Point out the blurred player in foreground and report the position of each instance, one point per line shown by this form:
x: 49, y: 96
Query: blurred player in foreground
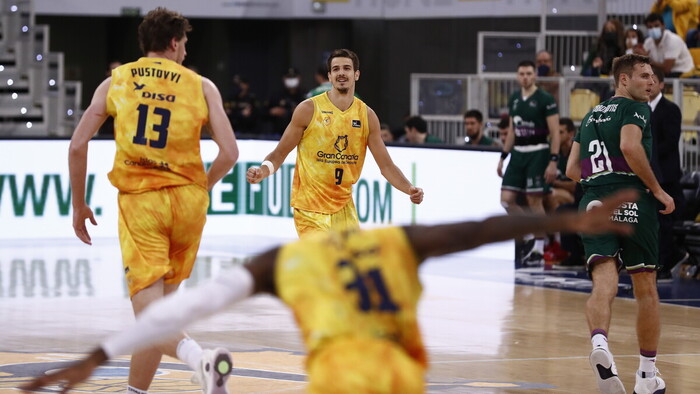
x: 354, y: 295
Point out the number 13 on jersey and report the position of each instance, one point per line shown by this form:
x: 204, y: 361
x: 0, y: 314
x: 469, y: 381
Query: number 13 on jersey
x: 160, y: 128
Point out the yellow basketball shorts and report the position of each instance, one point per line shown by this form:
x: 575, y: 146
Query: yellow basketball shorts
x: 307, y: 222
x: 159, y: 234
x: 364, y: 365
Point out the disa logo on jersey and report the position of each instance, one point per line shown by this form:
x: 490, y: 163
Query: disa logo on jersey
x: 159, y: 96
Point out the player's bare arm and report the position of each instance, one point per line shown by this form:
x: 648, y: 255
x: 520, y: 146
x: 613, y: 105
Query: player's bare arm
x: 566, y: 184
x: 301, y: 118
x: 507, y: 147
x: 221, y: 133
x: 88, y: 126
x: 69, y: 377
x: 550, y: 174
x: 389, y: 170
x: 256, y: 276
x: 573, y: 165
x: 633, y: 151
x: 442, y: 239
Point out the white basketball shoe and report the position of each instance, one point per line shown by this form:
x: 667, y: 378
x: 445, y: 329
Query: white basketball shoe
x: 649, y: 385
x: 606, y: 372
x: 214, y: 370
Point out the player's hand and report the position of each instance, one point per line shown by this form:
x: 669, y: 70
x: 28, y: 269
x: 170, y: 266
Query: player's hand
x: 550, y: 174
x: 597, y: 220
x: 67, y: 378
x: 416, y: 194
x: 666, y: 200
x: 499, y: 169
x: 80, y: 214
x: 254, y: 175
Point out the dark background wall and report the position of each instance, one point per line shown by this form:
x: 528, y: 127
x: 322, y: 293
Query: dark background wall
x: 262, y: 50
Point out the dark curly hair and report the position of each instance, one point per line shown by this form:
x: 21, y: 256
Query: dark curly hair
x: 160, y: 26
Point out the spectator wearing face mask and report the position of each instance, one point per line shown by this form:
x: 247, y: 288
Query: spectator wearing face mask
x: 545, y: 68
x: 611, y: 44
x: 679, y: 16
x: 242, y: 107
x: 281, y: 106
x: 634, y: 41
x: 666, y: 49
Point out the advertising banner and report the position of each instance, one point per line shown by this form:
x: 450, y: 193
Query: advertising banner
x: 35, y: 193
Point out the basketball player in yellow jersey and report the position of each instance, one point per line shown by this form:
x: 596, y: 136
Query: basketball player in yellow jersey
x: 354, y: 295
x: 159, y: 108
x: 331, y: 132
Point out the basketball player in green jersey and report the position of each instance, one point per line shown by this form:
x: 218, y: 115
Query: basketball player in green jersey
x: 611, y: 152
x: 533, y: 165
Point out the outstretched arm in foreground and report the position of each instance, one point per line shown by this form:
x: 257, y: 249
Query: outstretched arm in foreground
x: 169, y: 316
x: 442, y: 239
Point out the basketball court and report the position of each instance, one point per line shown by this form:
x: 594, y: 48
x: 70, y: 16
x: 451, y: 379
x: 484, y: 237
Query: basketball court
x: 485, y: 332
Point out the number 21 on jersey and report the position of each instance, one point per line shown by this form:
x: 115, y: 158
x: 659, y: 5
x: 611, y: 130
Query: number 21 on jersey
x: 600, y: 159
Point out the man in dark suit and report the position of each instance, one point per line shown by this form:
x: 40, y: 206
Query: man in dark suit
x: 666, y: 163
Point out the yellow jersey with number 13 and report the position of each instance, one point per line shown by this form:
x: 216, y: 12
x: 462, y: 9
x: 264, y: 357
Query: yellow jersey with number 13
x: 159, y: 110
x: 330, y: 156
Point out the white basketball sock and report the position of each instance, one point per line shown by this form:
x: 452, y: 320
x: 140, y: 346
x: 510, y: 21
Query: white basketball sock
x: 189, y: 351
x: 134, y: 390
x: 600, y: 340
x: 647, y: 365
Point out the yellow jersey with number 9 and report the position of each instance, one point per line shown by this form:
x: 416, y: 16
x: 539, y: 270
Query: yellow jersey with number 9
x: 330, y: 156
x: 353, y: 284
x: 159, y: 110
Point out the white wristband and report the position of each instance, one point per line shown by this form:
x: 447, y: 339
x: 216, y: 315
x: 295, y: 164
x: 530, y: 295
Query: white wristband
x: 269, y: 165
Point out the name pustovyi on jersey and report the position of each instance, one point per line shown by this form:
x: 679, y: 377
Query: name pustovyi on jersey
x: 155, y: 73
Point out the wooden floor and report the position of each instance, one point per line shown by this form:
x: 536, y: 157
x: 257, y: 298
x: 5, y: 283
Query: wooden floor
x: 484, y: 333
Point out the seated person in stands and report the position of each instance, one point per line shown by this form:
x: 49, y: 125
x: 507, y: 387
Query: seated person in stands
x: 474, y: 129
x: 679, y: 15
x: 562, y: 196
x: 503, y: 126
x: 385, y: 133
x: 242, y: 107
x: 417, y: 132
x: 545, y: 68
x: 563, y: 188
x: 666, y: 49
x: 634, y: 41
x: 611, y: 44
